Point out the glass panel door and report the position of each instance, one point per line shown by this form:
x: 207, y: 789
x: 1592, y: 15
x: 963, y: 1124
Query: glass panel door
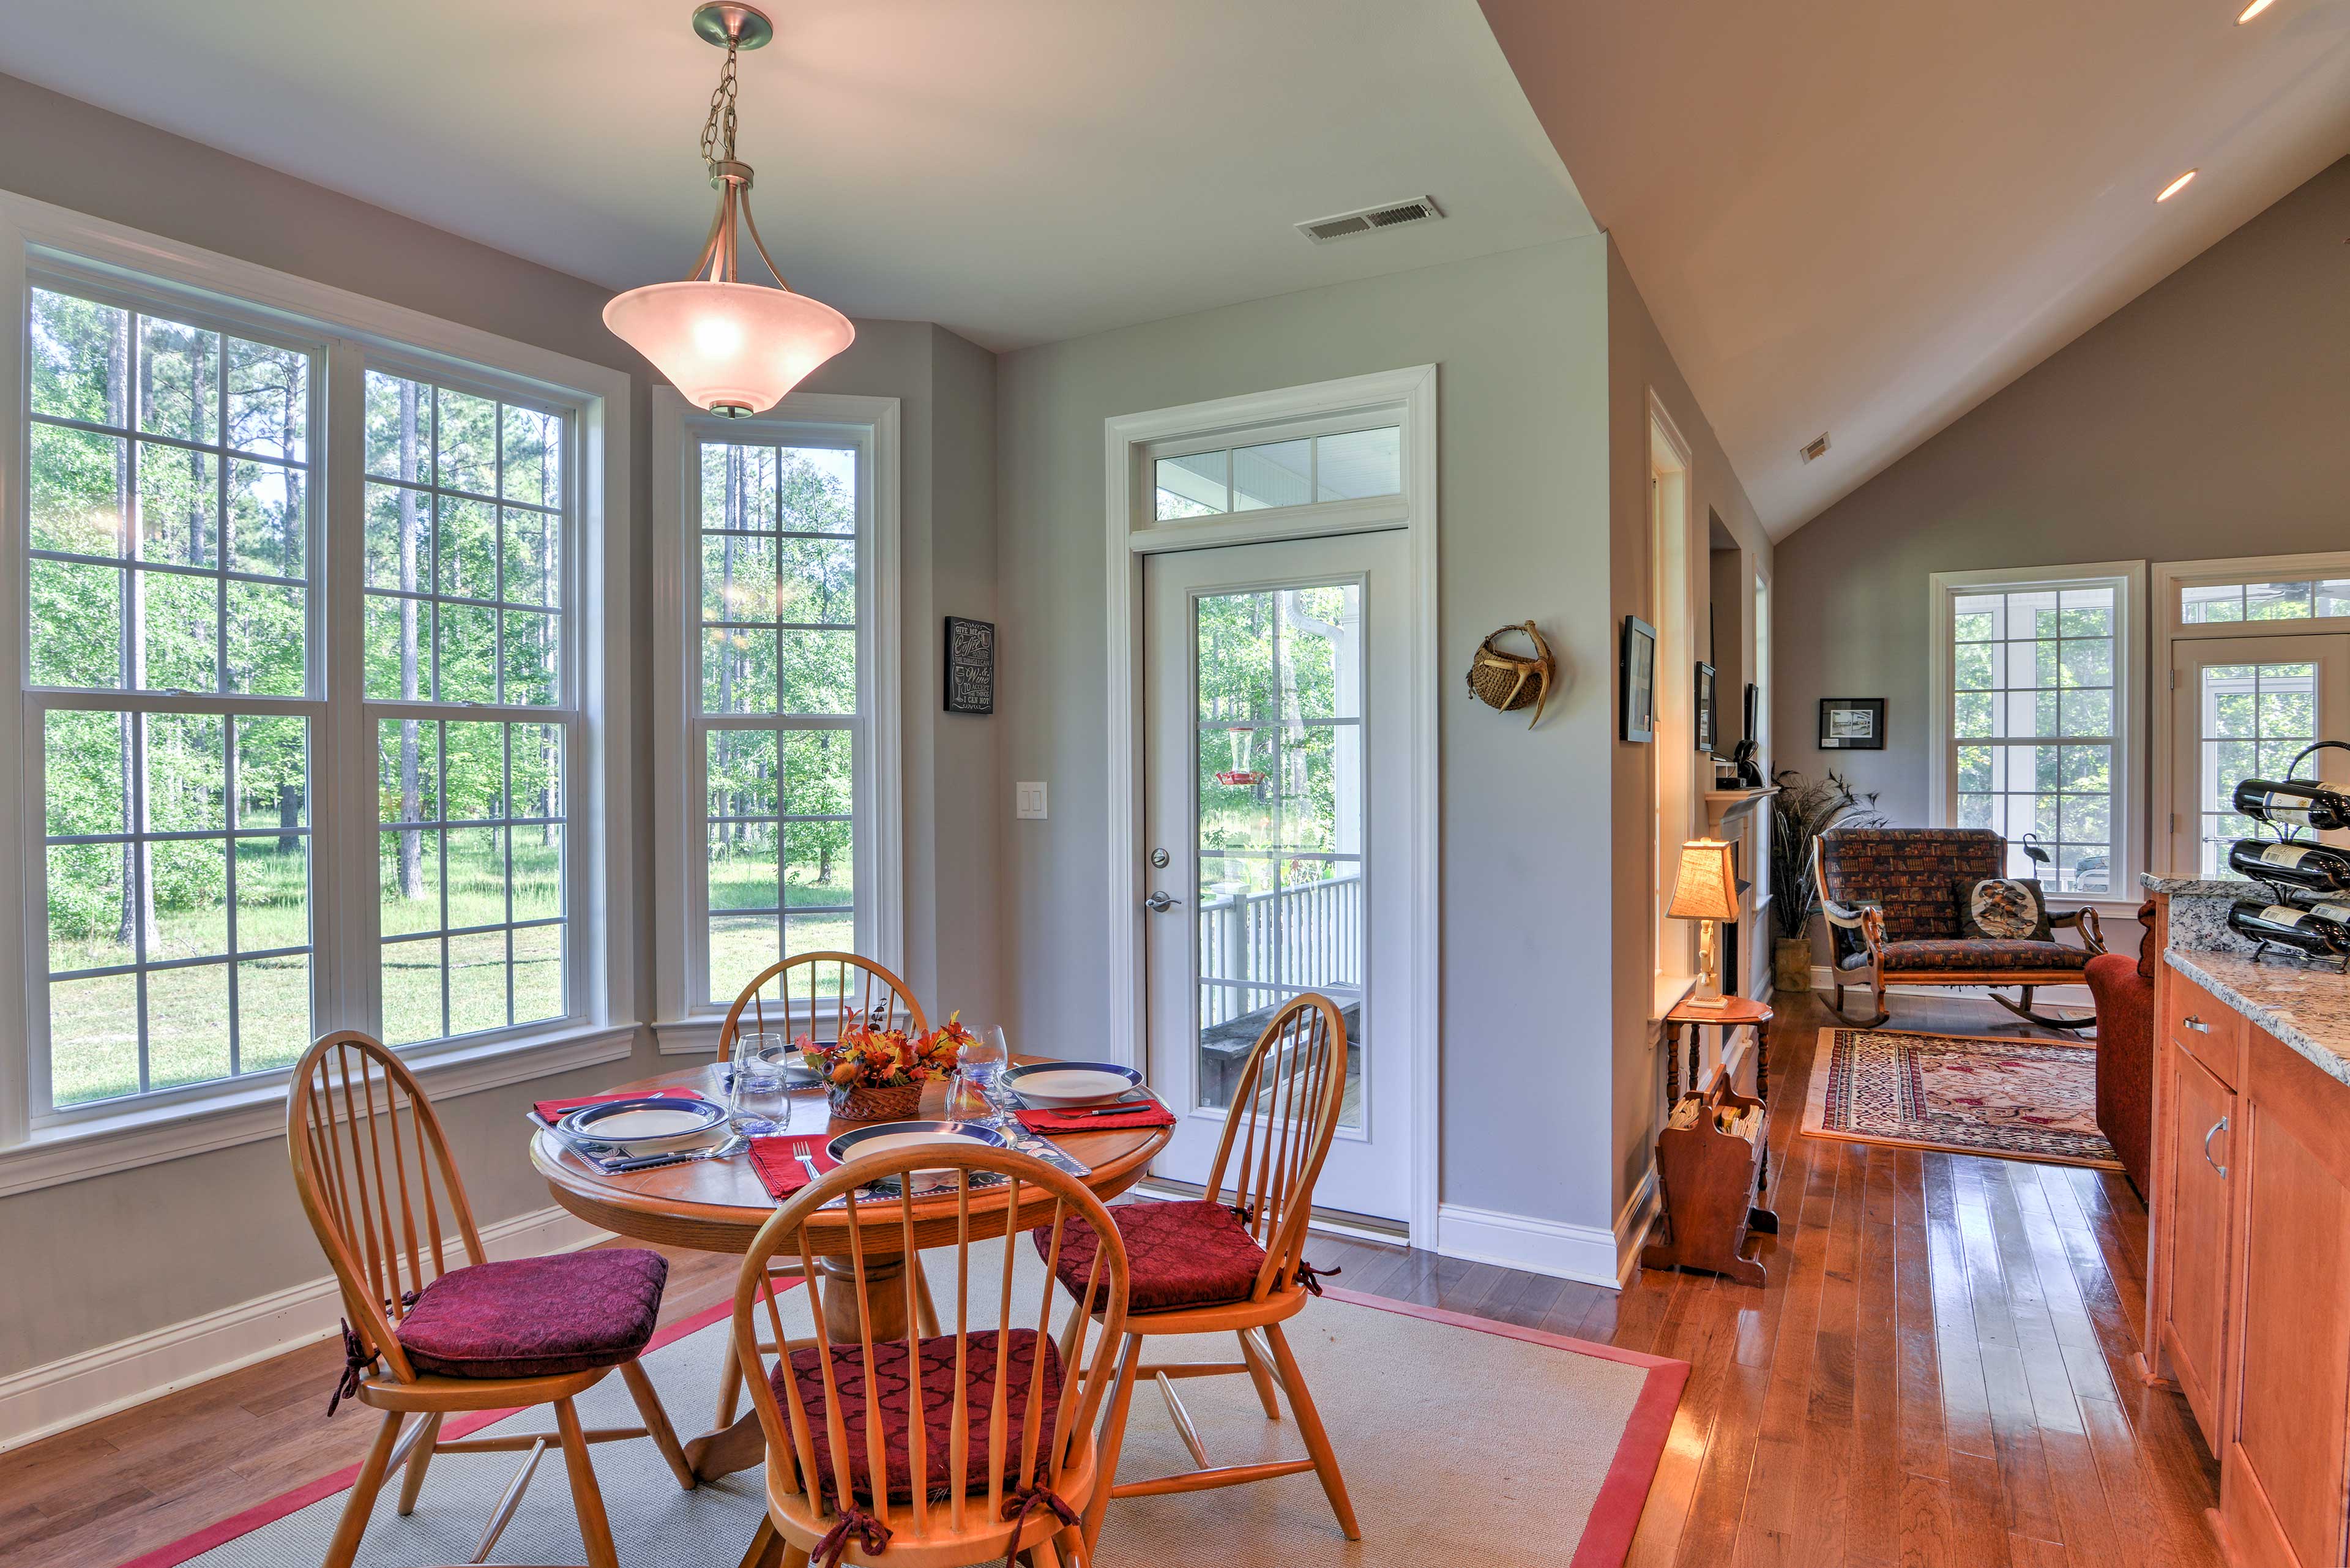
x: 2243, y: 707
x: 1279, y: 807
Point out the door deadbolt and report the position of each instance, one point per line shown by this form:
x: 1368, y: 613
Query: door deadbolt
x: 1160, y: 858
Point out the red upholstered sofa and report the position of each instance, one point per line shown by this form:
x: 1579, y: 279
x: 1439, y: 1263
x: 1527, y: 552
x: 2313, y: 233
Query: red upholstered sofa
x: 2124, y: 989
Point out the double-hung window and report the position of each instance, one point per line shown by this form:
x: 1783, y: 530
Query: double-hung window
x: 2036, y: 719
x: 310, y: 711
x: 780, y: 829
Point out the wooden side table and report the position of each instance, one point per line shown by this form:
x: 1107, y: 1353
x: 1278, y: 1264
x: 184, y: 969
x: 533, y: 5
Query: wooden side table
x: 1735, y: 1012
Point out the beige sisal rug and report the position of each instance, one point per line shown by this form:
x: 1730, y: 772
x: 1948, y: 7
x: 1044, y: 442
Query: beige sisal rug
x: 1463, y: 1440
x: 1997, y: 1095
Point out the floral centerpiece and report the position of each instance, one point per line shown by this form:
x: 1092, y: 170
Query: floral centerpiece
x: 876, y: 1074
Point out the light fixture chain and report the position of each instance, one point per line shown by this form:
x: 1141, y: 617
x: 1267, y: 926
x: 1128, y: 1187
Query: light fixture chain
x: 718, y: 130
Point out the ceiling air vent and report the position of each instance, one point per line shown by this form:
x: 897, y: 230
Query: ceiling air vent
x: 1367, y: 219
x: 1817, y: 449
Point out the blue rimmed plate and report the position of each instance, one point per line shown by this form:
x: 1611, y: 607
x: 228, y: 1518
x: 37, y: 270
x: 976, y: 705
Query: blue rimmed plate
x: 654, y: 1125
x: 1055, y: 1085
x: 891, y: 1136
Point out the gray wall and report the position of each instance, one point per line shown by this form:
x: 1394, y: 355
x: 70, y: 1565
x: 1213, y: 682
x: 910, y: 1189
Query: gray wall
x: 223, y: 1227
x: 1533, y: 384
x: 2208, y: 417
x: 1640, y: 365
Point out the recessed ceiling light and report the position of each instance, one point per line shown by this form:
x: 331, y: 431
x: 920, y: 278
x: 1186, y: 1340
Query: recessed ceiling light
x: 2175, y: 186
x: 2253, y: 10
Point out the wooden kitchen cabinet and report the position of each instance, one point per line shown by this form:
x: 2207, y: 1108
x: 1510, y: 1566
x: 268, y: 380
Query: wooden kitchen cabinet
x: 2192, y: 1327
x: 2284, y: 1438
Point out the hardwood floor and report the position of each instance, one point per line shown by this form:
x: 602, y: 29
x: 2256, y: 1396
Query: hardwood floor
x: 1936, y: 1373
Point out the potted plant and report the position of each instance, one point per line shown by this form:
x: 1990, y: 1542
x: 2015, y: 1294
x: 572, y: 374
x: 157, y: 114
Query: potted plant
x: 1803, y: 810
x: 876, y: 1074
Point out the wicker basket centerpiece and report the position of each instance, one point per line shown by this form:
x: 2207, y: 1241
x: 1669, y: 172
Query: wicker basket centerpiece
x: 878, y: 1074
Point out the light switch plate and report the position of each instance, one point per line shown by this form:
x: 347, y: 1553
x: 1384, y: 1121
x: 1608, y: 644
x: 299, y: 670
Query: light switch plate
x: 1028, y: 800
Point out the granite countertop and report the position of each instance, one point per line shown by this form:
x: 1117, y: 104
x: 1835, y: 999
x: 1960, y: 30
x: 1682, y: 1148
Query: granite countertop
x: 2190, y: 888
x: 2307, y: 1008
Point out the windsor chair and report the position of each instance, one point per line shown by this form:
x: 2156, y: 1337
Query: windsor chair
x: 832, y: 990
x: 432, y: 1327
x: 939, y: 1449
x: 1232, y: 1263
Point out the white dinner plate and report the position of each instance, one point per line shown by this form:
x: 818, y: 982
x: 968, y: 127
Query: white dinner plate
x: 1053, y: 1084
x: 649, y: 1125
x: 889, y: 1136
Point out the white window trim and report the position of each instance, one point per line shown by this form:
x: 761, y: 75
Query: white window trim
x: 119, y: 1135
x: 1132, y: 532
x: 684, y: 1024
x: 2168, y: 578
x: 2129, y: 813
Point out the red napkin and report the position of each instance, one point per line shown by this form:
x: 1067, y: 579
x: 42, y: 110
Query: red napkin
x: 1148, y: 1114
x: 551, y: 1111
x: 776, y: 1160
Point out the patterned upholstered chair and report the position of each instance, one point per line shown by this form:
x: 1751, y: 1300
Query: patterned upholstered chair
x: 1892, y: 906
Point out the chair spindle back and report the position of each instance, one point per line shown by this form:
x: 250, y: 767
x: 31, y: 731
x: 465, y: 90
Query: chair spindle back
x: 1284, y: 1117
x: 810, y: 1452
x: 367, y: 1150
x: 833, y: 989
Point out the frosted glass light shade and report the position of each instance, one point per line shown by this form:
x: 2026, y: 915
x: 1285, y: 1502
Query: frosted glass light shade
x: 731, y: 347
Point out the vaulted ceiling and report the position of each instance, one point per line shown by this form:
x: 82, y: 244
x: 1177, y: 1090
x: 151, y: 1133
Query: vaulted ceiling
x: 1862, y: 218
x: 1021, y: 171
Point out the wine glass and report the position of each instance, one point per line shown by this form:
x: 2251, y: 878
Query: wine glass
x: 760, y: 1104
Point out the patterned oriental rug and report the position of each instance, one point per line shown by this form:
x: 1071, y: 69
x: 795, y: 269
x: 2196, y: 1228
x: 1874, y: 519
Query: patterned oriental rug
x: 2011, y: 1098
x: 1560, y: 1436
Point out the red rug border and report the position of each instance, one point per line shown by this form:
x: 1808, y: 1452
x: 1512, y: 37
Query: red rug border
x: 1615, y: 1515
x: 1607, y: 1532
x: 302, y: 1497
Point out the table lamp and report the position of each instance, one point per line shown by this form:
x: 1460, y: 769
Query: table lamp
x: 1706, y: 891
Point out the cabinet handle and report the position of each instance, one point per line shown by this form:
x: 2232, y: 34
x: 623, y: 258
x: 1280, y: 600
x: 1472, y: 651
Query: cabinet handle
x: 2217, y: 1128
x: 2197, y: 1024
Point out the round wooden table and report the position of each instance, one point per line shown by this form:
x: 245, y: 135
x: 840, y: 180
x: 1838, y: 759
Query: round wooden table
x: 717, y: 1206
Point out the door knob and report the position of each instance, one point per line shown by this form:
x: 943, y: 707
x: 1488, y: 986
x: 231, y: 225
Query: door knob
x: 1160, y: 903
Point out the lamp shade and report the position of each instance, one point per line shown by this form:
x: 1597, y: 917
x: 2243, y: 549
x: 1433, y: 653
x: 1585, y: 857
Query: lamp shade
x: 1707, y: 887
x: 733, y: 348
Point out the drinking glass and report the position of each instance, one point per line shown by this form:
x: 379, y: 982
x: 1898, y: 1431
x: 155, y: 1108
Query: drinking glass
x: 760, y: 1105
x: 983, y: 1060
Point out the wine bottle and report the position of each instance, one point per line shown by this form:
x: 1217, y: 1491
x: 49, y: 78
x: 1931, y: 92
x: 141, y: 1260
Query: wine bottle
x: 2320, y: 867
x: 2294, y: 803
x: 2323, y: 930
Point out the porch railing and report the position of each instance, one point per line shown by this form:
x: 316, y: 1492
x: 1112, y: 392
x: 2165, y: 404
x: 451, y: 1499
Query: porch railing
x: 1257, y: 949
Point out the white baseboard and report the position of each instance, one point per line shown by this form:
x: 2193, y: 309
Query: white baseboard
x: 1823, y: 981
x: 1585, y: 1252
x: 46, y: 1399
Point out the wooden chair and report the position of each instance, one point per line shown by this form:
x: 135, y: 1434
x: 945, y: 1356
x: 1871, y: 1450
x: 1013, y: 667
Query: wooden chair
x: 983, y: 1443
x: 861, y: 991
x: 1233, y: 1262
x: 366, y: 1151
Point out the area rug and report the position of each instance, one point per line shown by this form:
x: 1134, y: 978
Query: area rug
x: 1443, y: 1423
x: 1969, y: 1093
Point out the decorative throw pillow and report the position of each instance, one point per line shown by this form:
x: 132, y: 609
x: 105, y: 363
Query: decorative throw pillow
x: 2005, y: 908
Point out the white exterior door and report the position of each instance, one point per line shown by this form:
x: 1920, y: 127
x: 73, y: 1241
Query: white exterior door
x: 2242, y: 708
x: 1277, y: 691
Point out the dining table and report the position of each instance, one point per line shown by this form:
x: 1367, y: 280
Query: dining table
x: 718, y: 1205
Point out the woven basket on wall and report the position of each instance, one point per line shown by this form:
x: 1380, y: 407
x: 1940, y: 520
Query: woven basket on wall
x: 1508, y: 681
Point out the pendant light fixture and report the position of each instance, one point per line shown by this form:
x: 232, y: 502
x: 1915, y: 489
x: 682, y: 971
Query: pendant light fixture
x: 732, y: 347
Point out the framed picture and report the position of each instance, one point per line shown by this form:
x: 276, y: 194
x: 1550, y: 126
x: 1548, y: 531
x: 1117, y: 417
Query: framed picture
x: 1705, y: 721
x: 970, y: 666
x: 1852, y: 723
x: 1638, y: 680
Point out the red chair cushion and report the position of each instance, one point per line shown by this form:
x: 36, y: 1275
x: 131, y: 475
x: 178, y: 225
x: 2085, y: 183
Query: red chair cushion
x: 536, y: 1317
x: 1178, y: 1255
x: 896, y: 1408
x: 1991, y: 957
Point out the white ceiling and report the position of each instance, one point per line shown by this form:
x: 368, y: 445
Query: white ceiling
x: 1865, y: 218
x: 1020, y: 170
